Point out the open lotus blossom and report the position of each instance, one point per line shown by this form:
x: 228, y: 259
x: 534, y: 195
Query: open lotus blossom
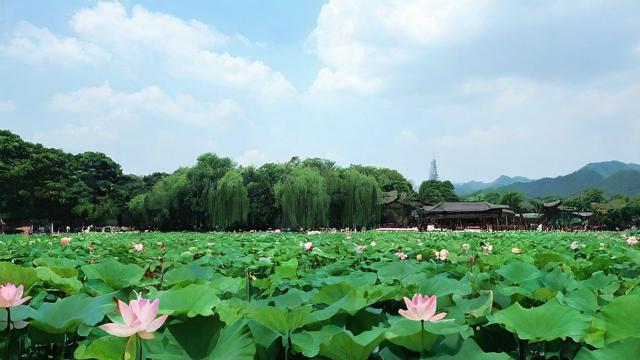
x: 401, y: 255
x: 574, y: 245
x: 632, y: 240
x: 487, y: 248
x: 516, y: 250
x: 360, y: 249
x: 11, y: 296
x: 373, y: 244
x: 65, y: 241
x: 442, y: 254
x: 138, y: 247
x: 421, y: 308
x: 308, y: 246
x: 139, y: 318
x: 465, y: 246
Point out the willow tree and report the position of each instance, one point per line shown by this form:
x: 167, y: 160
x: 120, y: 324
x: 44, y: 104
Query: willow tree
x: 303, y: 198
x: 362, y: 199
x: 229, y: 203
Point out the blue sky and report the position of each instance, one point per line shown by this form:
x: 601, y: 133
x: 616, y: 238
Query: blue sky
x: 491, y: 87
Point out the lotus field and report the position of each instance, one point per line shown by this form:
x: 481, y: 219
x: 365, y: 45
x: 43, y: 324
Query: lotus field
x: 368, y: 295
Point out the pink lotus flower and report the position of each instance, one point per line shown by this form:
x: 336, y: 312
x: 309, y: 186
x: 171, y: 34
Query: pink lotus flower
x: 632, y: 241
x: 360, y: 249
x: 139, y: 318
x: 487, y: 248
x: 421, y: 309
x: 278, y: 231
x: 65, y: 241
x: 516, y: 250
x: 442, y: 254
x: 401, y: 255
x: 575, y: 245
x: 11, y: 296
x: 138, y: 247
x: 308, y: 246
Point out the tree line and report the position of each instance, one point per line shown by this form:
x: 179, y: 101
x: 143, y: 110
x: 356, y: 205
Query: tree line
x: 44, y: 185
x: 48, y: 185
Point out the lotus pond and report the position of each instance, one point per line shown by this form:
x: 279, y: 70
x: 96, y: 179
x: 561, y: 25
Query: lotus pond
x: 510, y: 295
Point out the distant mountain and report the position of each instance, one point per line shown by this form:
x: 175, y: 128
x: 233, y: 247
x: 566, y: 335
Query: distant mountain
x: 608, y: 168
x: 473, y: 186
x: 612, y: 177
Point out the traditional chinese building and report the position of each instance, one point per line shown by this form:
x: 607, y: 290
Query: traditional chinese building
x: 465, y: 215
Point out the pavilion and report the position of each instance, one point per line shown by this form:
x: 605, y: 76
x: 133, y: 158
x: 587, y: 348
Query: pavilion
x: 466, y: 215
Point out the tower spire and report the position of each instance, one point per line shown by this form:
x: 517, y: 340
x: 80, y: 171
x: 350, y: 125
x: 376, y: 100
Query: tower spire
x: 433, y: 174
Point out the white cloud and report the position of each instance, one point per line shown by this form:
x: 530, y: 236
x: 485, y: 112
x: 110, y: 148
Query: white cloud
x: 187, y: 48
x: 252, y: 157
x: 359, y: 42
x: 236, y: 72
x: 109, y: 24
x: 39, y: 45
x: 7, y: 105
x: 102, y: 104
x: 183, y: 48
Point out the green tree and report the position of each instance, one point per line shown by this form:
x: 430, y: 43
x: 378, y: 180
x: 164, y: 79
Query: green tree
x: 202, y: 182
x: 229, y: 205
x: 303, y: 198
x: 514, y: 199
x: 264, y: 211
x: 435, y: 191
x: 362, y: 197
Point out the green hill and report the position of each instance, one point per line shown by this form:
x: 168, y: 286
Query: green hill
x: 613, y: 177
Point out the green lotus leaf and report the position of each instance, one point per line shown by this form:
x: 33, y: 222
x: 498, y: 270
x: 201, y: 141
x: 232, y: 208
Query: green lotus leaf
x: 582, y: 299
x: 343, y: 345
x: 191, y: 273
x: 397, y: 270
x: 558, y: 280
x: 17, y: 275
x: 281, y: 320
x: 195, y: 299
x: 407, y: 333
x: 288, y: 269
x: 471, y: 351
x: 113, y: 274
x: 601, y: 283
x: 203, y: 338
x: 69, y: 313
x: 544, y: 323
x: 69, y: 285
x: 476, y: 307
x: 624, y: 349
x: 520, y: 273
x: 104, y: 348
x: 622, y: 318
x: 308, y: 342
x: 440, y: 285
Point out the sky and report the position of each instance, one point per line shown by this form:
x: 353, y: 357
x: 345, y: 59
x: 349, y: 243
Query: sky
x: 488, y: 87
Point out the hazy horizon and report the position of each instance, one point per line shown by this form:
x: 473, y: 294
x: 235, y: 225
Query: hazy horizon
x: 489, y: 87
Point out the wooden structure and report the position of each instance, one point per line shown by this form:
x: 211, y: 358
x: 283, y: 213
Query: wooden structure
x: 399, y: 210
x: 557, y: 216
x: 465, y: 215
